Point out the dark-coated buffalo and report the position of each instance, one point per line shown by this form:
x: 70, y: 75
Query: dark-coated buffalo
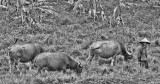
x: 56, y: 62
x: 24, y: 53
x: 107, y: 49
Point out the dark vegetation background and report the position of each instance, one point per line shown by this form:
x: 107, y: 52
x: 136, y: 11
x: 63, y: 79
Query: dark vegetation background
x: 56, y: 29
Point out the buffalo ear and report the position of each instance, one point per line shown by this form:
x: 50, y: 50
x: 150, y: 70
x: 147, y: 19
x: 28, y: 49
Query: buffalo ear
x: 9, y: 48
x: 80, y: 65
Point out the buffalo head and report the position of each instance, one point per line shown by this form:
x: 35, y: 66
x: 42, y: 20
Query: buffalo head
x: 129, y: 56
x: 15, y: 54
x: 130, y: 49
x: 78, y: 68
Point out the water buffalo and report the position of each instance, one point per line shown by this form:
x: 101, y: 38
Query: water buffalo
x: 107, y: 49
x: 56, y: 62
x: 23, y: 53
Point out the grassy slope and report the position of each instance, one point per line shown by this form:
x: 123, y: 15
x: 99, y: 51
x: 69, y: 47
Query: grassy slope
x: 71, y: 36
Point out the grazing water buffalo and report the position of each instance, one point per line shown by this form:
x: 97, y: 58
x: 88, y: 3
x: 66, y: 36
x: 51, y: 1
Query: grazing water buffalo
x: 107, y: 49
x: 56, y: 62
x: 23, y: 53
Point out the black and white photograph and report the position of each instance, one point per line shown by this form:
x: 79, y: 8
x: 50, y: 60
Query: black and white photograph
x: 79, y: 41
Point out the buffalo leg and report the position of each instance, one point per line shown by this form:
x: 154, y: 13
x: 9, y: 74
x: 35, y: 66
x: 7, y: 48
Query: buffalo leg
x: 96, y: 59
x: 39, y: 70
x: 64, y: 69
x: 45, y: 70
x: 30, y: 65
x: 18, y: 64
x: 90, y: 56
x: 113, y: 61
x: 13, y: 65
x: 10, y: 66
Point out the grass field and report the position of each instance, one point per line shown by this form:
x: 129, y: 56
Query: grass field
x: 68, y: 32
